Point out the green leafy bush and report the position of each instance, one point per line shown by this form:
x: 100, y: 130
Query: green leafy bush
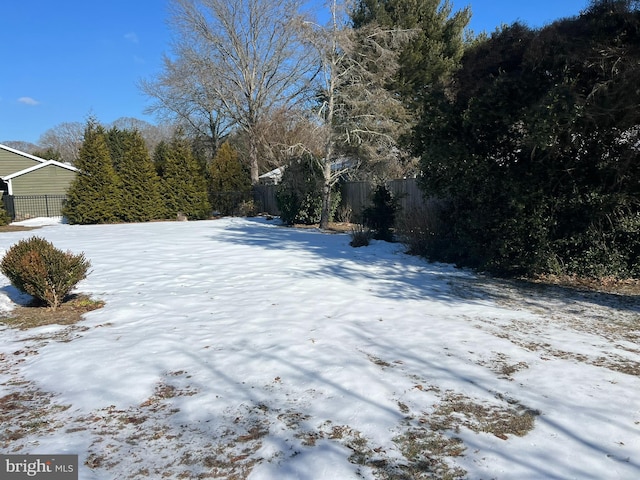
x: 381, y: 216
x: 36, y: 267
x: 299, y: 194
x: 535, y: 149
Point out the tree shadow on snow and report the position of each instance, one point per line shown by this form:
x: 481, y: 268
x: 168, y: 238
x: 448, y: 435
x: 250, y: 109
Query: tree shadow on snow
x: 388, y: 272
x: 402, y: 276
x: 433, y: 371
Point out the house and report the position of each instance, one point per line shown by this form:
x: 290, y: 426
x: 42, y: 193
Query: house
x: 32, y: 186
x: 272, y: 177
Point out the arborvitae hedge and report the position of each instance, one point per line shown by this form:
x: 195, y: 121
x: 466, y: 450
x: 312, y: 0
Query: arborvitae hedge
x: 184, y: 186
x: 140, y: 185
x: 229, y: 181
x: 94, y: 196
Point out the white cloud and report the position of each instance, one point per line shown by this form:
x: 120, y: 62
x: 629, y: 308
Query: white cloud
x: 28, y: 101
x: 131, y: 37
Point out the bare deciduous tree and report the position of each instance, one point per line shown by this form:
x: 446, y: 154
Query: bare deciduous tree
x: 151, y: 134
x: 285, y: 135
x: 65, y: 138
x: 358, y: 116
x: 26, y: 147
x: 181, y: 94
x: 248, y: 58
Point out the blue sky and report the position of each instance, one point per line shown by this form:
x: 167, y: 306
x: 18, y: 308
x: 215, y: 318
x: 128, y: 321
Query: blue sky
x: 64, y: 60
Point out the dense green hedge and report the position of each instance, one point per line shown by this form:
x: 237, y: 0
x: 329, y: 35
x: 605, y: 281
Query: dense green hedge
x: 535, y: 150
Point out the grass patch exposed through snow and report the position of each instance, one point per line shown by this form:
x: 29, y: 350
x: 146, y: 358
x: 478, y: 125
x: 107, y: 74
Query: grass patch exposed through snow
x: 35, y: 315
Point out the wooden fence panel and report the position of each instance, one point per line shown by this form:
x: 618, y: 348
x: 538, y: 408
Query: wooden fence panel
x: 407, y: 192
x: 355, y: 195
x: 265, y: 198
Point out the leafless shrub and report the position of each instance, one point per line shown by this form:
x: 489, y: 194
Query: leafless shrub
x: 418, y: 227
x: 360, y: 236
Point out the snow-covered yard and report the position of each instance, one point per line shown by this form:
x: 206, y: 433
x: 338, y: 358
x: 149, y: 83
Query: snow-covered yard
x: 236, y: 348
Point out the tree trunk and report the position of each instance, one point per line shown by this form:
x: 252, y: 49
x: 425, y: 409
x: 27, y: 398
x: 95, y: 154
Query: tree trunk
x: 326, y: 174
x: 253, y: 162
x: 326, y: 196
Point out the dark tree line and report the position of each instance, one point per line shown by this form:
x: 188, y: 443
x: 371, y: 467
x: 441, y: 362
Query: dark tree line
x: 534, y: 146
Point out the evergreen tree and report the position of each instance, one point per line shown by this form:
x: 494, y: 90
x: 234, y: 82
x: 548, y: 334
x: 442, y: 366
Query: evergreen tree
x: 434, y: 52
x: 160, y: 154
x: 183, y: 182
x: 93, y: 196
x: 49, y: 154
x: 299, y: 194
x: 116, y: 142
x: 141, y: 200
x: 230, y: 182
x: 612, y: 6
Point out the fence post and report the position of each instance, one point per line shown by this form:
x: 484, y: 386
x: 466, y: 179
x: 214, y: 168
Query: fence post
x: 10, y: 206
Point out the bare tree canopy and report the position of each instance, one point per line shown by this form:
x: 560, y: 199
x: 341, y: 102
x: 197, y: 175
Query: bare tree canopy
x: 237, y: 61
x: 65, y: 138
x: 26, y: 147
x: 357, y: 114
x: 151, y: 134
x: 181, y: 95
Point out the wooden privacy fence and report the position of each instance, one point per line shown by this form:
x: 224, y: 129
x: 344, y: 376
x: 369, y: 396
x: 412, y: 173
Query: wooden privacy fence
x: 355, y: 196
x: 264, y: 197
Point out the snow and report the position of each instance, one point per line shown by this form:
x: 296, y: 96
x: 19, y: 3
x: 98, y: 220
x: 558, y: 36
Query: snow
x: 240, y: 347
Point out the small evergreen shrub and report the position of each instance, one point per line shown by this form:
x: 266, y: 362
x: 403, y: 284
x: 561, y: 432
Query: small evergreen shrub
x: 4, y: 216
x: 36, y: 267
x: 381, y: 216
x: 360, y: 236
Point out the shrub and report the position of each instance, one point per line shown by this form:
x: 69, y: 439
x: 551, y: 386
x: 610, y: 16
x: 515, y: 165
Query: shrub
x: 299, y: 194
x: 360, y: 236
x: 420, y: 228
x: 381, y: 216
x: 36, y: 267
x: 4, y: 216
x: 344, y: 214
x: 247, y: 208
